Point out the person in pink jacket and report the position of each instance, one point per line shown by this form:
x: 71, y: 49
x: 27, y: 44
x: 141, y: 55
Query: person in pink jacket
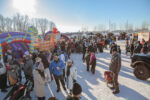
x: 93, y: 62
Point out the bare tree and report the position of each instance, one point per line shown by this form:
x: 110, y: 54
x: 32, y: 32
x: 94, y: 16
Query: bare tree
x: 2, y: 24
x: 130, y: 28
x: 8, y: 24
x: 51, y: 25
x: 43, y: 25
x: 145, y: 26
x: 34, y: 22
x: 21, y: 23
x: 126, y: 26
x: 25, y: 23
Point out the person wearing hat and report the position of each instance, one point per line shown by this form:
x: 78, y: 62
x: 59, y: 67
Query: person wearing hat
x: 46, y: 67
x: 119, y: 50
x: 114, y: 67
x: 71, y: 74
x: 84, y: 51
x: 39, y: 83
x: 76, y: 92
x: 93, y: 62
x: 113, y: 45
x: 28, y: 67
x: 88, y: 60
x: 56, y: 68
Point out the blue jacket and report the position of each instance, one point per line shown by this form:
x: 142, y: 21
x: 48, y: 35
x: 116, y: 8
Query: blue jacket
x: 53, y: 67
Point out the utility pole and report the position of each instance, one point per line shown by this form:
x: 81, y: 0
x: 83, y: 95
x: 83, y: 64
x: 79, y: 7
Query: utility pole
x: 127, y: 26
x: 109, y: 25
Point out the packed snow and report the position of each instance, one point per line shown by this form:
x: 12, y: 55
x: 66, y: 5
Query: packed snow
x: 94, y: 86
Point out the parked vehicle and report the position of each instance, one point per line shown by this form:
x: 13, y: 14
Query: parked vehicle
x: 141, y: 65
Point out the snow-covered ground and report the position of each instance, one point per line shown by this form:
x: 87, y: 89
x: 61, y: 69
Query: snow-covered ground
x: 94, y: 86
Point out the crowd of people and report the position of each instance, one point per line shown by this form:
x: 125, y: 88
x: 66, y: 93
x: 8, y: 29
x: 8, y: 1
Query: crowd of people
x: 135, y: 47
x: 41, y: 67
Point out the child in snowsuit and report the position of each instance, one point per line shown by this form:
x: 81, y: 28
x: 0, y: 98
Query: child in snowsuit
x: 88, y: 60
x: 93, y: 62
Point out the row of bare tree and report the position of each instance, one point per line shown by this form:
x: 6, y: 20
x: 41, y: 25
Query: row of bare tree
x: 20, y: 23
x: 128, y: 27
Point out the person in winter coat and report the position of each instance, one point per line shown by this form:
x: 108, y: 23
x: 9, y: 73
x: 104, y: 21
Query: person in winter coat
x: 83, y: 51
x: 69, y: 49
x: 39, y: 83
x: 34, y: 55
x: 48, y: 56
x: 46, y: 66
x: 17, y: 66
x: 127, y: 47
x: 71, y: 74
x: 7, y: 56
x: 93, y: 62
x: 62, y: 57
x: 56, y: 68
x: 3, y: 76
x: 88, y: 60
x: 91, y: 48
x: 114, y: 67
x: 138, y: 47
x: 144, y: 48
x: 12, y: 76
x: 105, y: 43
x: 76, y: 92
x: 100, y: 46
x: 113, y: 46
x: 119, y: 50
x: 63, y: 46
x: 28, y: 67
x: 132, y: 49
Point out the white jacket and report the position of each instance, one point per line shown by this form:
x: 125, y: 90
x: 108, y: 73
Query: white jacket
x: 71, y: 77
x: 39, y: 84
x: 2, y: 67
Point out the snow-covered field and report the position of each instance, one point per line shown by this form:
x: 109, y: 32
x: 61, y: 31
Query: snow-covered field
x: 94, y: 86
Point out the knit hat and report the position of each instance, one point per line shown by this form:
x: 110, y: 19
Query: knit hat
x: 76, y: 89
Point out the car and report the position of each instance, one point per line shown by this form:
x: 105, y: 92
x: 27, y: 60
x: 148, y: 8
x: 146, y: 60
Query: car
x: 141, y: 65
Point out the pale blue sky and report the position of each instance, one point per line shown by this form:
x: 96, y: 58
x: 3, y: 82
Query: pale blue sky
x: 73, y: 14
